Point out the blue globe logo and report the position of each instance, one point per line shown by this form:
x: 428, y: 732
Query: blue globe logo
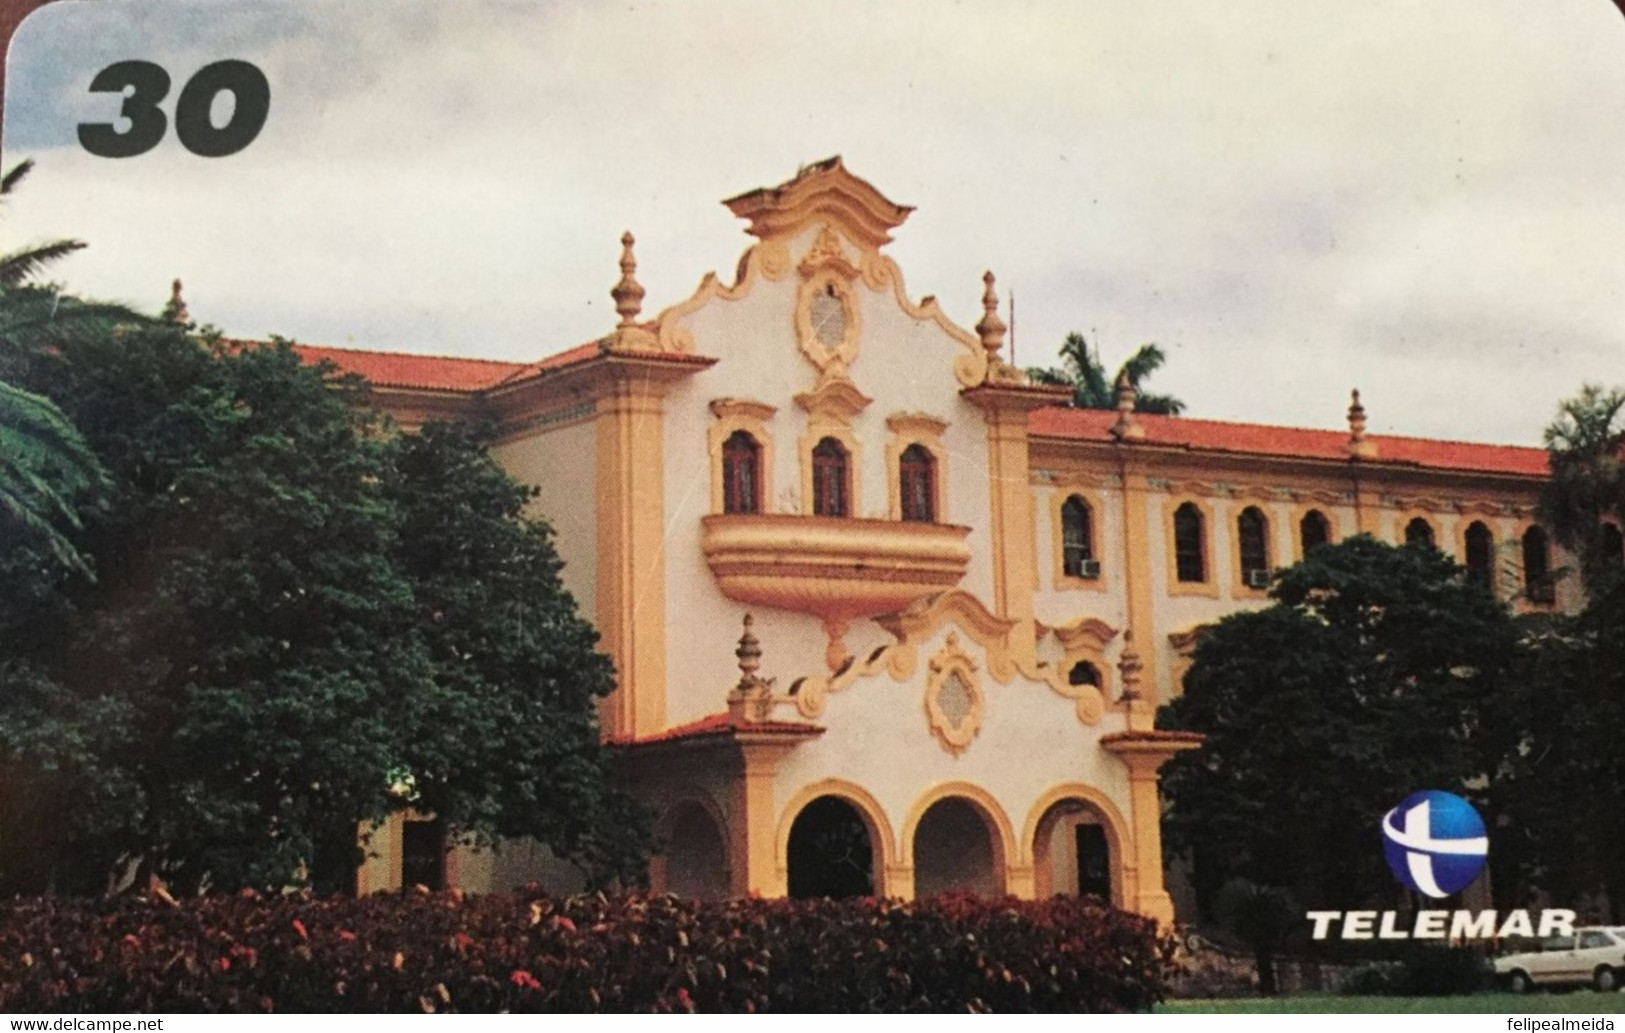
x: 1435, y: 843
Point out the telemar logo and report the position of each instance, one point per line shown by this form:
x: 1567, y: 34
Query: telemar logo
x: 1436, y: 845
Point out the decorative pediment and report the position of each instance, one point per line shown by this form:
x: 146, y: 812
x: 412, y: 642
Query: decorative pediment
x: 833, y: 401
x: 822, y: 191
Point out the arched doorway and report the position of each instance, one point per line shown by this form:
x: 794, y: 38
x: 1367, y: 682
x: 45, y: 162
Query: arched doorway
x: 1075, y: 853
x: 830, y: 853
x: 696, y: 854
x: 955, y: 851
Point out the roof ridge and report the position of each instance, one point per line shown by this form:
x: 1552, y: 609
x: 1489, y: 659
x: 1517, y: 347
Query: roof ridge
x: 1109, y: 414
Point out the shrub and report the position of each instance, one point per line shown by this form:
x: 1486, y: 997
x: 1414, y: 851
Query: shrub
x: 442, y: 953
x: 1423, y: 971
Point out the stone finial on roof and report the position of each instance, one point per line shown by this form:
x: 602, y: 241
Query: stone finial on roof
x: 175, y: 310
x: 991, y: 328
x: 1126, y: 427
x: 628, y: 293
x: 1129, y: 667
x: 1359, y: 446
x: 752, y: 699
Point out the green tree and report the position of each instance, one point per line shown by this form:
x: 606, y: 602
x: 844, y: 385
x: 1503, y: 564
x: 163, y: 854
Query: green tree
x: 1584, y: 446
x: 1082, y: 370
x: 46, y: 470
x: 507, y: 745
x: 267, y: 659
x: 1364, y: 682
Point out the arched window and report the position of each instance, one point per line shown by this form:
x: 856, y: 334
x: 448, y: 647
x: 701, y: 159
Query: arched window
x: 1253, y: 539
x: 741, y: 474
x: 830, y: 488
x: 1084, y: 673
x: 917, y: 473
x: 1537, y: 567
x: 1077, y: 539
x: 1419, y: 532
x: 1480, y: 554
x: 1314, y: 530
x: 1190, y: 549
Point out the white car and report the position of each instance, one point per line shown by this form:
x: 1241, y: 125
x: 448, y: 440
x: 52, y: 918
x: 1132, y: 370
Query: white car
x: 1594, y: 955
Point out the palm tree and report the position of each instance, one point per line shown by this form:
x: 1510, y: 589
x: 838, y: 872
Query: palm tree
x: 1082, y: 370
x: 1587, y: 482
x: 46, y: 467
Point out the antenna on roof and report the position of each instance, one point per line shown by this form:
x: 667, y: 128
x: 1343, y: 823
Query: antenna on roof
x: 1012, y: 326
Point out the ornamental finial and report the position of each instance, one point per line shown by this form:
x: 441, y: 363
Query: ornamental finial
x: 1359, y: 446
x: 991, y: 328
x: 628, y: 293
x: 750, y: 656
x: 752, y: 699
x: 175, y: 311
x: 1127, y: 397
x: 1129, y: 668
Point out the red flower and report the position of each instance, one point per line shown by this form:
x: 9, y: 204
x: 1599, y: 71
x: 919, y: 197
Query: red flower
x: 565, y: 924
x: 299, y: 927
x: 524, y: 980
x: 224, y: 964
x: 346, y: 935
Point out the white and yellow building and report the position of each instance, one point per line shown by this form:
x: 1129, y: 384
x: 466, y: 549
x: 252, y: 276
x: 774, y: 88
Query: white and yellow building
x: 967, y: 600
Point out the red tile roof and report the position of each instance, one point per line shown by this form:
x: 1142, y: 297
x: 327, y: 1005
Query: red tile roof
x: 717, y: 726
x: 444, y: 373
x: 398, y: 369
x: 1289, y: 442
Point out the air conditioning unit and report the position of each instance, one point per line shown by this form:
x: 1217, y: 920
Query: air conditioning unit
x: 1089, y: 569
x: 1257, y: 578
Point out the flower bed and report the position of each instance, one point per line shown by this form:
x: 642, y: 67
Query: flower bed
x: 443, y: 953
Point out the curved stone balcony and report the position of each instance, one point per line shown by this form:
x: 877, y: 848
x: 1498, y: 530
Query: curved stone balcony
x: 837, y: 569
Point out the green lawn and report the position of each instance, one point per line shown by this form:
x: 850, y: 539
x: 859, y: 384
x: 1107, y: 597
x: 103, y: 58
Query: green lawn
x: 1583, y: 1002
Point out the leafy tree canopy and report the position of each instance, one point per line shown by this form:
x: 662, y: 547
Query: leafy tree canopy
x: 1364, y: 682
x: 300, y: 623
x: 1082, y: 370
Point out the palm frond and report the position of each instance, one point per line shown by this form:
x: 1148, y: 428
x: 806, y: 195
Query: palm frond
x: 18, y: 173
x: 20, y: 266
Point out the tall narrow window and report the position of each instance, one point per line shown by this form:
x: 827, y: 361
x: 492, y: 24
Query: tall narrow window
x: 741, y: 474
x: 1314, y: 530
x: 1419, y: 532
x: 1537, y: 567
x: 830, y: 488
x: 1190, y: 550
x: 1480, y: 554
x: 917, y: 472
x: 1252, y: 536
x: 1077, y: 539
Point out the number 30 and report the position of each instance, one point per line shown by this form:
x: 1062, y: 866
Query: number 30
x: 147, y: 84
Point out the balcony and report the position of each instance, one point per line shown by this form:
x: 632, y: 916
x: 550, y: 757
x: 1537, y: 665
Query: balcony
x: 837, y: 569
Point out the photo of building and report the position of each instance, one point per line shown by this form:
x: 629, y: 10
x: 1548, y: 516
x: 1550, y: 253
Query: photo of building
x: 888, y: 616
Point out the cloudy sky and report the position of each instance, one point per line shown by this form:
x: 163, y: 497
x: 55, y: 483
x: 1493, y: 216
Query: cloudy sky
x: 1422, y: 198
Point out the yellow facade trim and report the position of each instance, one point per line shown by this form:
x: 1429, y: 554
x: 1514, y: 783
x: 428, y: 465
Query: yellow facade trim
x: 631, y: 588
x: 1124, y: 869
x: 1006, y: 858
x: 926, y: 431
x: 833, y: 360
x: 884, y: 862
x: 733, y: 415
x: 955, y: 734
x: 1063, y: 581
x: 1209, y: 585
